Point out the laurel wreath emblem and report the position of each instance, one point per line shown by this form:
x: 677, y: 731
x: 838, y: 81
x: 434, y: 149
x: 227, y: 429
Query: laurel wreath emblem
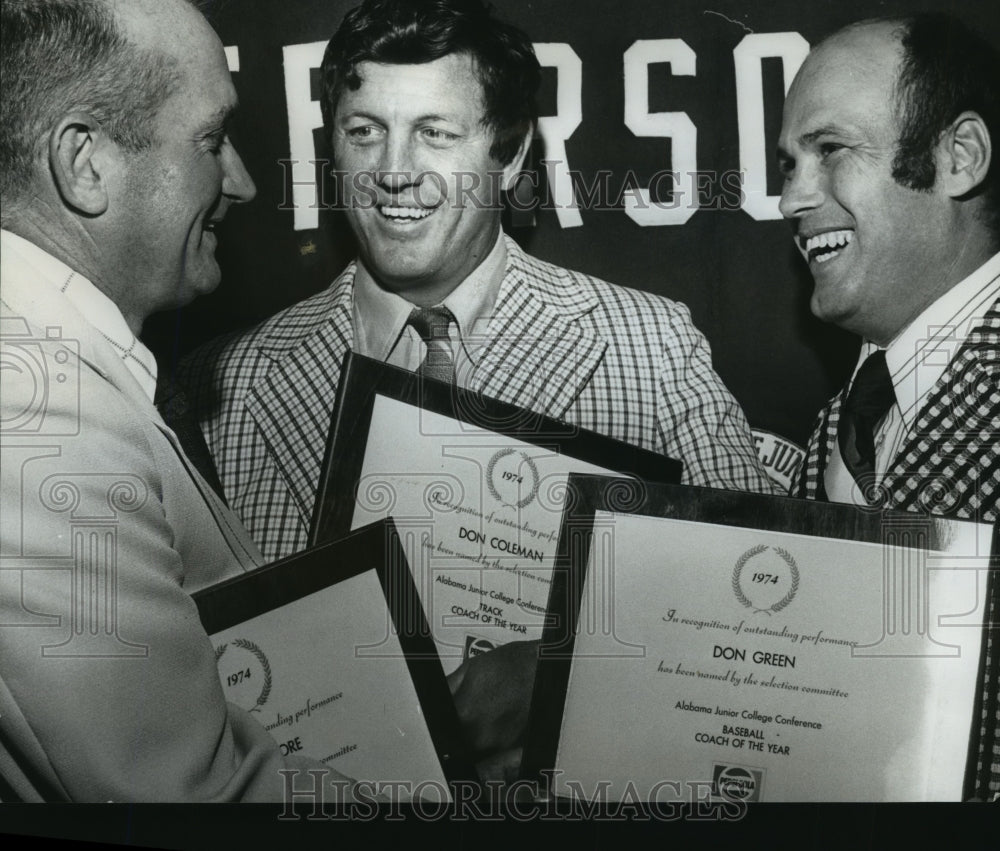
x: 491, y: 467
x: 738, y: 572
x: 246, y: 644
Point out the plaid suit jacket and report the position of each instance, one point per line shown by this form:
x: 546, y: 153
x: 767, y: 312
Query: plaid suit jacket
x: 950, y: 465
x: 627, y: 364
x: 951, y: 462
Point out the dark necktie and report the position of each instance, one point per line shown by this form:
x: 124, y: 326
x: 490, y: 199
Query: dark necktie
x: 173, y: 405
x: 868, y: 401
x: 431, y: 323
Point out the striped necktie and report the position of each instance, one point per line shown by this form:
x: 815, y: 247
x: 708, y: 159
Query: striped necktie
x: 431, y: 323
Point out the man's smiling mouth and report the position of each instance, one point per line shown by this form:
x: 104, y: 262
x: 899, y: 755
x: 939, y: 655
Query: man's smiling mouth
x: 825, y: 246
x: 400, y: 214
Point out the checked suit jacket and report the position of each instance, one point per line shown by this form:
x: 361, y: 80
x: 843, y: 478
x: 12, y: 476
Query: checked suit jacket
x: 950, y: 465
x: 951, y: 462
x: 626, y: 364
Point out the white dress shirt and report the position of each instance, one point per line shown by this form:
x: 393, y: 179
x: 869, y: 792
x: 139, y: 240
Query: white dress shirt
x: 381, y: 332
x: 917, y: 358
x: 99, y: 310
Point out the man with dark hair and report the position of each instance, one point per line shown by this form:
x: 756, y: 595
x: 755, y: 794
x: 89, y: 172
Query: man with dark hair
x: 504, y: 61
x: 115, y: 167
x: 887, y: 150
x: 944, y: 70
x: 430, y: 107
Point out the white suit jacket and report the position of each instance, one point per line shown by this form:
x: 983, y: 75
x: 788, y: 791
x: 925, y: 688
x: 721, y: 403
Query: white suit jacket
x: 108, y: 684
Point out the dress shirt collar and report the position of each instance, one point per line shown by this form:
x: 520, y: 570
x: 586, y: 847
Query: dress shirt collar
x: 99, y: 310
x: 380, y: 316
x: 920, y: 353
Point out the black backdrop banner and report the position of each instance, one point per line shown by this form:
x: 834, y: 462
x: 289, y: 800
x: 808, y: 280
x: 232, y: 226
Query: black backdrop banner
x: 633, y: 91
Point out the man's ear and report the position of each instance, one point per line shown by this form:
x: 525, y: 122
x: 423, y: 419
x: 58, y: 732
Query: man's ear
x: 76, y: 164
x: 513, y: 168
x: 964, y: 152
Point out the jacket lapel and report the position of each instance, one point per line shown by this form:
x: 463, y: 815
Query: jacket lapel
x: 292, y: 402
x: 536, y: 355
x: 826, y: 445
x: 244, y: 550
x: 26, y: 301
x: 29, y: 301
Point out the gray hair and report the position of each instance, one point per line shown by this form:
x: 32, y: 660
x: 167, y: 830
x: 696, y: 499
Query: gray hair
x: 57, y: 56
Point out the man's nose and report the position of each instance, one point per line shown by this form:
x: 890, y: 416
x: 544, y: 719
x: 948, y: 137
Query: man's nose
x: 236, y: 182
x: 803, y: 191
x: 396, y: 170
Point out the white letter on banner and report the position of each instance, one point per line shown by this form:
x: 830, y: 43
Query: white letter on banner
x: 233, y: 58
x: 304, y: 116
x: 556, y: 129
x: 676, y: 126
x: 791, y: 48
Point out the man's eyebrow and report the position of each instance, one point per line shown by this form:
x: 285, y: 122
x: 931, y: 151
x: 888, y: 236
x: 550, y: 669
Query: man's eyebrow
x: 808, y: 139
x: 219, y: 120
x: 436, y: 116
x: 430, y: 116
x: 359, y: 113
x: 825, y: 130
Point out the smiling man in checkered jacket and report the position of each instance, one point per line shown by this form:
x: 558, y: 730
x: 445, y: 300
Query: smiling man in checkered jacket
x: 895, y: 203
x: 887, y: 149
x: 430, y: 108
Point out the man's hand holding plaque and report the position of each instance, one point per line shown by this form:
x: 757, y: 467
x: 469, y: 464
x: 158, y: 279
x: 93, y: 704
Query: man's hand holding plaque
x: 492, y: 695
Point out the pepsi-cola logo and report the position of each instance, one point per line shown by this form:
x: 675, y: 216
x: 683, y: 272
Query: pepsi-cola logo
x: 738, y: 783
x: 475, y: 646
